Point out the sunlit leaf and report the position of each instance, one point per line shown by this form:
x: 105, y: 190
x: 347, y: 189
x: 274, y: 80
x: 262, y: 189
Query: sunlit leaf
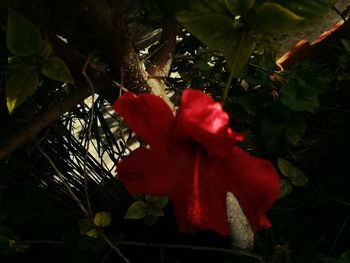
x: 92, y: 233
x: 86, y: 225
x: 274, y: 19
x: 239, y: 7
x: 137, y: 210
x: 296, y: 176
x: 55, y: 68
x: 102, y: 219
x: 23, y: 37
x: 19, y: 87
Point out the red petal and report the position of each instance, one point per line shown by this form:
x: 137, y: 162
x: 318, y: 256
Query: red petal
x: 154, y: 172
x: 202, y: 119
x: 148, y: 116
x: 207, y: 209
x: 172, y: 174
x: 254, y: 182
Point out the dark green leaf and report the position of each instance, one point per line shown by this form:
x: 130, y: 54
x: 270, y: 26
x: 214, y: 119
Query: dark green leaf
x: 346, y: 44
x: 156, y: 211
x: 286, y: 188
x: 137, y: 210
x: 157, y: 201
x: 23, y: 38
x: 45, y: 49
x: 239, y: 7
x: 305, y: 83
x: 19, y: 87
x: 345, y: 257
x: 239, y: 51
x: 297, y: 98
x: 55, y: 68
x: 150, y: 220
x: 274, y: 19
x: 296, y: 176
x: 214, y: 30
x: 85, y: 225
x: 309, y: 8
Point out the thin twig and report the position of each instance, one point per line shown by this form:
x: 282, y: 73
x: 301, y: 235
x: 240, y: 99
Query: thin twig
x: 60, y: 175
x: 88, y: 135
x: 115, y: 248
x: 189, y: 247
x: 340, y: 232
x: 48, y: 242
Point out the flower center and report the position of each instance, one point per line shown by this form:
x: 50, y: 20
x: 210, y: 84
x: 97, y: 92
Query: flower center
x: 195, y: 209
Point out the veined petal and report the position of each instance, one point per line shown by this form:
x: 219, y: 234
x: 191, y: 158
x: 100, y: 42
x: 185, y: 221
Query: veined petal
x: 206, y: 209
x: 202, y: 119
x: 254, y: 182
x: 148, y: 116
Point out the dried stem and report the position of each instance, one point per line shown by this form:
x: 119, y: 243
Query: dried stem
x: 189, y: 247
x: 115, y: 248
x: 63, y: 180
x: 88, y: 135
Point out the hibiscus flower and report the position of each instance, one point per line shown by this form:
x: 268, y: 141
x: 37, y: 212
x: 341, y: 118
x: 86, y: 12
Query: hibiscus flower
x: 194, y: 159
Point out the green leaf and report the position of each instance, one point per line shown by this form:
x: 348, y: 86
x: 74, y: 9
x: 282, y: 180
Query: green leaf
x: 150, y: 220
x: 297, y: 98
x: 55, y: 68
x: 23, y: 37
x: 156, y: 211
x: 214, y: 30
x: 296, y: 176
x: 286, y: 188
x: 102, y: 219
x: 157, y: 201
x: 45, y: 49
x: 137, y: 210
x: 309, y: 8
x: 206, y: 7
x: 239, y: 50
x: 93, y: 233
x: 239, y: 7
x: 274, y: 19
x: 19, y: 87
x: 86, y: 225
x: 305, y: 83
x: 346, y: 44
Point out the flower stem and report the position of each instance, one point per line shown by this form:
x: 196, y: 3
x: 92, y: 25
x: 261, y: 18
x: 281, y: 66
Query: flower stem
x: 227, y: 88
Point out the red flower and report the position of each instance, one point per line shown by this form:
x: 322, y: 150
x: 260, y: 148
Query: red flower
x: 193, y: 159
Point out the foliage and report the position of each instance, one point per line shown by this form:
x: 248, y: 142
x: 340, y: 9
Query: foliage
x: 299, y: 119
x: 30, y: 54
